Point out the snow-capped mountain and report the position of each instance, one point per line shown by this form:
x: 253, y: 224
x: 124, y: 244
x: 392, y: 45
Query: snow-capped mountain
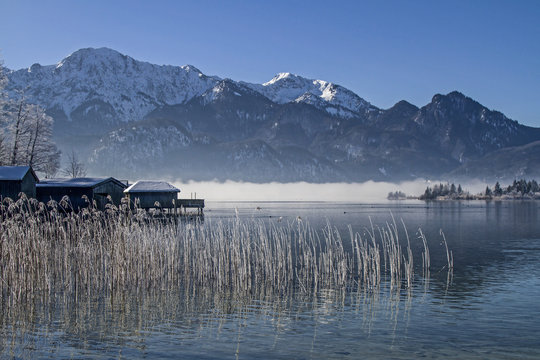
x: 129, y: 117
x: 120, y: 89
x: 336, y: 100
x: 103, y: 81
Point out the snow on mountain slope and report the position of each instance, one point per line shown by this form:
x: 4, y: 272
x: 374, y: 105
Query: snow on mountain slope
x: 465, y: 129
x: 336, y: 100
x: 104, y: 84
x: 288, y: 129
x: 224, y: 88
x: 127, y: 150
x: 132, y: 88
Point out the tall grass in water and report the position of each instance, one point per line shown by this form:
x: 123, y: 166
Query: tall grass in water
x: 44, y: 250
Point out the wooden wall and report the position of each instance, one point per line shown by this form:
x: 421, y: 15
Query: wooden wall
x: 12, y: 188
x: 109, y: 188
x: 147, y: 200
x: 28, y: 185
x: 56, y: 193
x: 97, y: 194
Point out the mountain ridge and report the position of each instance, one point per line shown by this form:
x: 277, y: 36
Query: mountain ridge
x: 197, y: 126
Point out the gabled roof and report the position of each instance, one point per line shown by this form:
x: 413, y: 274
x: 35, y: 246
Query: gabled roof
x: 151, y: 186
x: 86, y: 182
x: 15, y: 173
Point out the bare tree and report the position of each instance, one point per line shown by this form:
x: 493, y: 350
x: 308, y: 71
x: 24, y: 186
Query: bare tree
x: 3, y: 149
x: 18, y: 118
x: 41, y: 152
x: 27, y: 137
x: 3, y: 82
x: 74, y: 168
x: 26, y: 133
x: 50, y: 168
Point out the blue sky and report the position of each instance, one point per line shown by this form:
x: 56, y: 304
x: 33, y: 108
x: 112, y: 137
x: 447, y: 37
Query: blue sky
x: 385, y: 51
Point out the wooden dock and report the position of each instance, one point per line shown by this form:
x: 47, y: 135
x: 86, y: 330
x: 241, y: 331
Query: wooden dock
x: 185, y: 204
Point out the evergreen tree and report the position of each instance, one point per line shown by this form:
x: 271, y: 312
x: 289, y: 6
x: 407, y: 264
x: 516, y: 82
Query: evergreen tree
x: 534, y: 186
x: 428, y: 194
x: 523, y: 187
x: 488, y: 191
x: 497, y: 191
x: 446, y: 190
x: 3, y: 98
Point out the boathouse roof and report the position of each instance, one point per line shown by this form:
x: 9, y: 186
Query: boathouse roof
x: 145, y: 186
x: 86, y: 182
x: 15, y: 173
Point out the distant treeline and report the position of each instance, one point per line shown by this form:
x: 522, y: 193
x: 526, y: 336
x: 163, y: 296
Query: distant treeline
x: 445, y: 190
x: 397, y: 195
x: 518, y: 189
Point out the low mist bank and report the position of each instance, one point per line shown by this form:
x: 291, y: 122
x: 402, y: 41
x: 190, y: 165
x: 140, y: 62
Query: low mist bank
x: 369, y: 191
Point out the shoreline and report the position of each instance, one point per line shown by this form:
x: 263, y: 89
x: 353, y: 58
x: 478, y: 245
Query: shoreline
x: 474, y: 198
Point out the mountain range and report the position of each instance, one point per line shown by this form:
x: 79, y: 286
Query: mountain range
x: 133, y: 119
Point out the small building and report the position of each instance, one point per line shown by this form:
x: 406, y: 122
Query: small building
x: 145, y: 194
x: 17, y: 179
x: 96, y: 189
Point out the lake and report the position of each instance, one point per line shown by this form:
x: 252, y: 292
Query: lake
x: 488, y: 307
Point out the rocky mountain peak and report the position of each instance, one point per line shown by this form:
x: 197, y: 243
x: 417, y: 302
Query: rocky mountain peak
x: 403, y: 106
x: 219, y: 91
x: 466, y: 129
x: 285, y: 77
x: 93, y: 59
x: 192, y: 69
x: 230, y: 90
x: 35, y: 68
x: 334, y: 99
x: 91, y: 81
x: 455, y: 101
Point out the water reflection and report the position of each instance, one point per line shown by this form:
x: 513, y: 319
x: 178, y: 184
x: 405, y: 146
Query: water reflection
x: 486, y: 308
x: 58, y: 326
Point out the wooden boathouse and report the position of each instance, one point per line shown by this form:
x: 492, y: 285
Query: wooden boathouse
x: 152, y: 194
x: 17, y: 179
x: 97, y: 190
x: 160, y: 194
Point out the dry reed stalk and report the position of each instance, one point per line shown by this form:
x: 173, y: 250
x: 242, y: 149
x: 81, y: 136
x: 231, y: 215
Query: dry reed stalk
x: 449, y: 255
x: 48, y: 249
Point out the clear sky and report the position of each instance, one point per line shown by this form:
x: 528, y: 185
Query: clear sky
x: 385, y: 51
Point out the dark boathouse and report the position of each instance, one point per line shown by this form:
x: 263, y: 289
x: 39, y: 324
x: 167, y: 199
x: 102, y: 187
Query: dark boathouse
x: 145, y: 194
x: 17, y: 179
x: 96, y: 189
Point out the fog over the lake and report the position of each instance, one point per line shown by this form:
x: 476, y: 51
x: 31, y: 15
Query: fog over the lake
x: 369, y: 191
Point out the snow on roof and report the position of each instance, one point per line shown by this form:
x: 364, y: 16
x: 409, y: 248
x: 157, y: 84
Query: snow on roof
x: 13, y: 172
x: 72, y: 182
x: 151, y: 186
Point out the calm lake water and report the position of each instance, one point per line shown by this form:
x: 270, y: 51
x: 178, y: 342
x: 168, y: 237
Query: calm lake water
x: 489, y: 308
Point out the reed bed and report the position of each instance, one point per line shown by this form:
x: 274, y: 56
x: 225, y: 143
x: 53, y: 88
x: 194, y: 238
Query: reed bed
x: 46, y: 249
